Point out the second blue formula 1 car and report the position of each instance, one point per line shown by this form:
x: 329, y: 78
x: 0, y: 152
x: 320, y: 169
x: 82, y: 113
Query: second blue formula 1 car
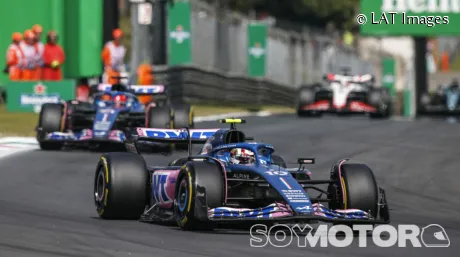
x: 101, y: 122
x: 231, y: 180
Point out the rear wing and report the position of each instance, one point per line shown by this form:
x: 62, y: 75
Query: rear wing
x: 353, y: 79
x: 136, y: 89
x: 171, y: 136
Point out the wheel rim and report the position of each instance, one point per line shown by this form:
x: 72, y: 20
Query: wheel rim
x: 182, y: 195
x: 99, y: 188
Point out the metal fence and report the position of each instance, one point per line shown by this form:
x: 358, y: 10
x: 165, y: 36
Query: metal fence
x: 219, y: 43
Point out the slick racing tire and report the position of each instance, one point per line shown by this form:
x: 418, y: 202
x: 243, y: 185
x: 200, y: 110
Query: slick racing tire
x: 306, y: 96
x: 356, y: 189
x: 425, y: 100
x: 50, y: 120
x: 183, y: 117
x: 121, y: 186
x: 199, y: 184
x: 161, y: 117
x: 178, y: 162
x: 277, y: 160
x: 380, y: 98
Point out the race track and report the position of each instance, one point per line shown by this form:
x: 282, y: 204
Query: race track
x: 47, y: 208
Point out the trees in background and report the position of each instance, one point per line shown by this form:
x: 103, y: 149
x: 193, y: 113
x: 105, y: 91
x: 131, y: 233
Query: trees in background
x: 313, y: 12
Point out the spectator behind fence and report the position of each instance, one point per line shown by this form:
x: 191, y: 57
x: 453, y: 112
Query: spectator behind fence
x: 53, y: 57
x: 30, y: 59
x: 445, y: 63
x: 39, y: 48
x: 14, y: 58
x: 113, y: 56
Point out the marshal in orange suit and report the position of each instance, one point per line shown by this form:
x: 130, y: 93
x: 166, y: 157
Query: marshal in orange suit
x: 14, y: 58
x: 113, y: 56
x: 53, y: 57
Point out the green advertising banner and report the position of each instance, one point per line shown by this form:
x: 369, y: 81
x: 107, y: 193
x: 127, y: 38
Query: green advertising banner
x: 29, y: 96
x: 388, y: 75
x: 407, y: 103
x: 257, y: 49
x: 179, y: 31
x: 409, y: 17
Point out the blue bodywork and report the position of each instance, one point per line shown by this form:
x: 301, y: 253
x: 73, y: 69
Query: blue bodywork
x: 452, y: 95
x: 445, y: 101
x: 107, y: 114
x: 298, y: 203
x: 280, y: 178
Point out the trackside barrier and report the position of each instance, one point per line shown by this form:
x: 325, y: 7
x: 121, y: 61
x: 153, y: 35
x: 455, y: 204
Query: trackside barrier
x: 197, y: 85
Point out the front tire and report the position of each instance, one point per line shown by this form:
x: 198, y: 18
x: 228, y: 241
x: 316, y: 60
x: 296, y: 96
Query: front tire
x: 356, y: 189
x: 121, y: 186
x: 50, y: 120
x: 199, y: 184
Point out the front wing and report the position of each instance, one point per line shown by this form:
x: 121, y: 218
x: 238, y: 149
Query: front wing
x: 282, y: 212
x: 85, y: 136
x: 350, y: 107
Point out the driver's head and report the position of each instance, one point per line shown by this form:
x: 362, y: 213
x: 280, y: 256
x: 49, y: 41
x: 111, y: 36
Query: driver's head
x: 120, y: 100
x: 242, y: 156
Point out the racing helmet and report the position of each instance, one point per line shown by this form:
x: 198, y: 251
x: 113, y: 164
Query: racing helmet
x: 106, y: 97
x: 104, y: 100
x: 120, y: 100
x: 242, y: 156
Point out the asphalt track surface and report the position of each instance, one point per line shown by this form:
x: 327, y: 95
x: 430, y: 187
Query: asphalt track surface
x: 47, y: 209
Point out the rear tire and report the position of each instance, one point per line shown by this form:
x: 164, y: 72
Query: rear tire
x: 380, y: 98
x: 183, y: 117
x: 425, y: 101
x: 121, y: 186
x: 198, y: 181
x: 49, y: 121
x: 277, y: 160
x: 161, y: 117
x: 306, y: 96
x: 356, y: 190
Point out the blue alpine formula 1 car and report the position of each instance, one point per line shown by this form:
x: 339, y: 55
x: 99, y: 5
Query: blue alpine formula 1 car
x: 231, y: 180
x: 101, y: 121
